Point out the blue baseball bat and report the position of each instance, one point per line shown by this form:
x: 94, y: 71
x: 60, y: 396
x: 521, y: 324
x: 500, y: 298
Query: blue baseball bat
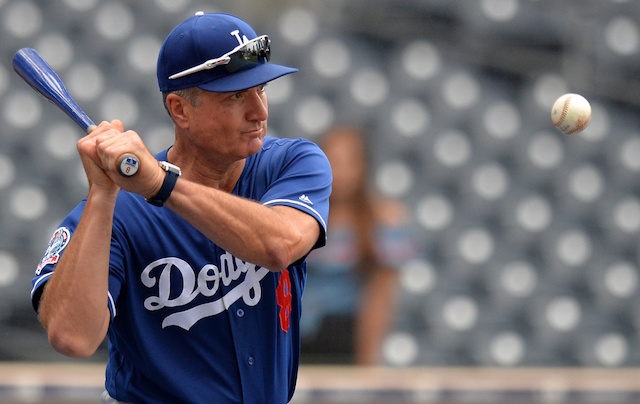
x: 36, y: 72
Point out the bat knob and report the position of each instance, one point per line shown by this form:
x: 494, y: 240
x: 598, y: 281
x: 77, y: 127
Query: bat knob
x: 129, y: 165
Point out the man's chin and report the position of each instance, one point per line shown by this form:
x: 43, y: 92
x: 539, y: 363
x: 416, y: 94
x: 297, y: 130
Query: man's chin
x: 255, y: 144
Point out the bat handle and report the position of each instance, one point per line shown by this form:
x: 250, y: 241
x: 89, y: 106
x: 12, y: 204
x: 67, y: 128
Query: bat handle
x: 128, y: 163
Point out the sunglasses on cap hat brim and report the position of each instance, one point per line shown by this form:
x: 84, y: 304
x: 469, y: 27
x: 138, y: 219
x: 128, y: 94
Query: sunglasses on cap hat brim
x: 241, y: 57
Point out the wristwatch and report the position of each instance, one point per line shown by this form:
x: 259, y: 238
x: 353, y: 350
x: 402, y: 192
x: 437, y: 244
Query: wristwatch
x: 170, y: 179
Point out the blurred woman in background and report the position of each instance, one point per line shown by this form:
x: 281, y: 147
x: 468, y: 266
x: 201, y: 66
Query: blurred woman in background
x: 350, y: 296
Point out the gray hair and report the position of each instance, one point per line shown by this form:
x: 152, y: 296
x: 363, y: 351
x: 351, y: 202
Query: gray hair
x: 192, y: 95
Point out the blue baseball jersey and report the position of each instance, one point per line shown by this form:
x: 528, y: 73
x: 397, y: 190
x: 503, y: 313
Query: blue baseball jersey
x: 189, y: 321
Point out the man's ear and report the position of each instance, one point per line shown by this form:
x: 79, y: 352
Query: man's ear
x: 178, y: 108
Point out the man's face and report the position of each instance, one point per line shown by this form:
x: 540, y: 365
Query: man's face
x: 230, y: 124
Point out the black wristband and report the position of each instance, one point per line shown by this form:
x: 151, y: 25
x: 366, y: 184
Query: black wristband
x: 168, y: 184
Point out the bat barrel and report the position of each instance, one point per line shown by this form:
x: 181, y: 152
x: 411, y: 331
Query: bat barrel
x: 41, y: 77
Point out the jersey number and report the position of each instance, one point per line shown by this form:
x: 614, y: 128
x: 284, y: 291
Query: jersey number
x: 284, y: 299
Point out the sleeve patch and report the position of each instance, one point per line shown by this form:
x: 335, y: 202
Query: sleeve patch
x: 57, y: 244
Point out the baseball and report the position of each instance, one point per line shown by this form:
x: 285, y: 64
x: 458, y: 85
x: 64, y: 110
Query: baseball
x: 571, y: 113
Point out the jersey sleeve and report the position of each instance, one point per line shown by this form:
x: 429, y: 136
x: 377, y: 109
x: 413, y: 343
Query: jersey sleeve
x: 55, y: 250
x: 301, y: 179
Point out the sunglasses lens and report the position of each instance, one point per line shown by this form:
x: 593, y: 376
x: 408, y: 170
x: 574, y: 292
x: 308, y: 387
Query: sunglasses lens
x: 250, y: 55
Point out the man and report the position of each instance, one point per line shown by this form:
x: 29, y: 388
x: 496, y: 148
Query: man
x: 194, y: 266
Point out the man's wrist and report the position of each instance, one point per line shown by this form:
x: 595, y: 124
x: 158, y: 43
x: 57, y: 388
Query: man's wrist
x: 103, y: 197
x: 159, y: 180
x: 172, y: 172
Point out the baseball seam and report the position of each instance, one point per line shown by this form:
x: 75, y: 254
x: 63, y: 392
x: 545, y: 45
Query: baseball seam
x: 579, y: 126
x: 565, y: 110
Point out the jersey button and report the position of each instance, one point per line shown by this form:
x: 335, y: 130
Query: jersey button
x: 240, y: 313
x: 251, y: 360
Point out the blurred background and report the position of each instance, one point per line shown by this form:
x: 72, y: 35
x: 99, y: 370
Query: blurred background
x: 530, y: 236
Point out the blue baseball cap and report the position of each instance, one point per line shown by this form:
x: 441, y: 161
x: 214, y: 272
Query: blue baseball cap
x: 201, y: 51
